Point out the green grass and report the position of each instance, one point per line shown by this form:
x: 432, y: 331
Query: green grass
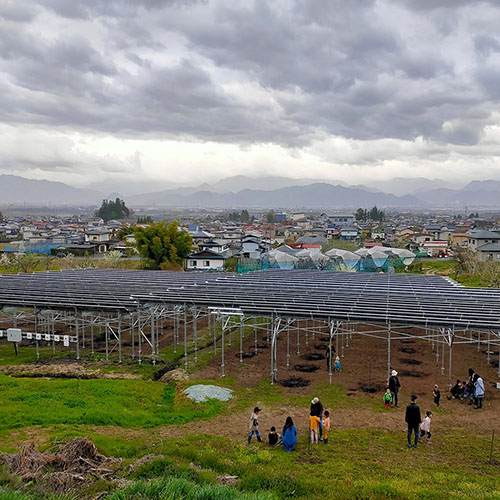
x: 124, y: 403
x: 27, y: 354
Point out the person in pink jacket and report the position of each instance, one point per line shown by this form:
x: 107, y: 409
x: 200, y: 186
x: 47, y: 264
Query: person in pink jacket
x: 425, y: 427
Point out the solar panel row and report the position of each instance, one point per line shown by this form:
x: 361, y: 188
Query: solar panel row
x: 402, y: 298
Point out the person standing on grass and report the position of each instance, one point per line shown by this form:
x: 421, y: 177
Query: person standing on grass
x: 394, y: 386
x: 330, y: 351
x: 413, y: 419
x: 254, y: 425
x: 425, y: 427
x: 437, y: 395
x: 326, y: 426
x: 317, y: 410
x: 289, y: 435
x: 387, y: 398
x: 470, y: 386
x: 478, y: 391
x: 314, y: 426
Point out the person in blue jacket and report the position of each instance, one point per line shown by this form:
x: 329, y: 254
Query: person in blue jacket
x: 289, y: 435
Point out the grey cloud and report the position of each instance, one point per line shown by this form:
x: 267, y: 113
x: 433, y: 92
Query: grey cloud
x: 12, y: 10
x: 332, y: 66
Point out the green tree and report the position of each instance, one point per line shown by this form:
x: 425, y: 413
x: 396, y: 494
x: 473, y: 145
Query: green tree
x: 244, y: 216
x: 113, y: 210
x: 376, y: 214
x: 1, y: 217
x: 270, y: 216
x: 361, y: 214
x: 162, y: 245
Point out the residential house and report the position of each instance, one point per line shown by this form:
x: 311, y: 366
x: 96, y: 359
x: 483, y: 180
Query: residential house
x: 349, y: 233
x: 206, y: 260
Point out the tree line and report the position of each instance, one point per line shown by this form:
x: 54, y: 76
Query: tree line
x: 375, y: 214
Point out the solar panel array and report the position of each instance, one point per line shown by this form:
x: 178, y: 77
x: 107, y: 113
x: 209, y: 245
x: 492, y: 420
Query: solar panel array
x: 401, y: 298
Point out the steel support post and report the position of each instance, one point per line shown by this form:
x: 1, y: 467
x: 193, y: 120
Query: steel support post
x: 152, y: 327
x: 342, y: 340
x: 288, y: 344
x: 36, y: 331
x: 215, y: 334
x: 92, y: 334
x: 106, y: 339
x: 298, y: 337
x: 77, y: 333
x: 242, y: 328
x: 489, y: 339
x: 274, y: 341
x: 132, y: 343
x: 388, y: 351
x: 195, y: 334
x: 222, y: 363
x: 119, y: 338
x: 139, y: 337
x: 255, y: 337
x: 83, y: 330
x: 185, y: 339
x: 442, y: 353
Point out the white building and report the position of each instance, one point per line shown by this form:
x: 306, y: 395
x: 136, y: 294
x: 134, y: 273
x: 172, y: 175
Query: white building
x: 206, y: 260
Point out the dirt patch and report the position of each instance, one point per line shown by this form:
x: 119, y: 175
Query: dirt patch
x: 295, y: 382
x: 408, y: 373
x: 410, y: 361
x: 313, y: 356
x: 246, y: 355
x: 306, y: 368
x: 71, y: 370
x: 75, y: 464
x: 407, y: 350
x: 370, y: 388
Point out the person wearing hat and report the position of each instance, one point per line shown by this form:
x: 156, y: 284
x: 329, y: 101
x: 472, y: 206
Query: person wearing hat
x: 394, y: 387
x: 254, y: 425
x: 317, y: 411
x: 413, y: 419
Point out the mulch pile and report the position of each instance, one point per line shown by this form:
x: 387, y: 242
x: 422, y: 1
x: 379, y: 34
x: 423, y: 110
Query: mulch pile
x: 75, y: 463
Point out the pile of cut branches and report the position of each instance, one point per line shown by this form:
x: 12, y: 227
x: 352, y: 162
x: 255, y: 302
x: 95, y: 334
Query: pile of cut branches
x: 74, y: 463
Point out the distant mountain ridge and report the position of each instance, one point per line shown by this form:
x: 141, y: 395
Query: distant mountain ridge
x: 16, y: 189
x: 261, y: 192
x: 317, y: 195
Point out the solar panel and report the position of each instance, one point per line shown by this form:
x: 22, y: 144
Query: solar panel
x: 403, y: 298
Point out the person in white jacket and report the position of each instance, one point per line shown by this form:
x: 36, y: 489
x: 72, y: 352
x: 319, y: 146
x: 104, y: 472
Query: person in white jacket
x: 478, y: 391
x: 425, y: 427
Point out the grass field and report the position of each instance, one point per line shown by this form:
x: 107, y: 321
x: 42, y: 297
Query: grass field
x: 124, y: 403
x: 356, y: 464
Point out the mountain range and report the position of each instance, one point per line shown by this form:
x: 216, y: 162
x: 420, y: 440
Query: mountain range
x: 264, y: 192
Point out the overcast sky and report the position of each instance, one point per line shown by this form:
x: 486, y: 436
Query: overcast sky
x: 190, y: 91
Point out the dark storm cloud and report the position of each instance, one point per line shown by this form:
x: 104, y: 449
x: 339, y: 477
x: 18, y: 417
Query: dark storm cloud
x: 179, y: 69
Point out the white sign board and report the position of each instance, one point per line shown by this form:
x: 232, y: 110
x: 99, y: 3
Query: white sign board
x: 14, y: 335
x: 66, y: 340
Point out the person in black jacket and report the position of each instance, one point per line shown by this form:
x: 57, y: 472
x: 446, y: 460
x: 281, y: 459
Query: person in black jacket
x: 413, y: 419
x: 394, y: 387
x: 330, y: 352
x: 317, y: 410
